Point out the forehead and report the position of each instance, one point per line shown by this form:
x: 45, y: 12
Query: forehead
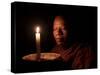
x: 58, y: 25
x: 58, y: 21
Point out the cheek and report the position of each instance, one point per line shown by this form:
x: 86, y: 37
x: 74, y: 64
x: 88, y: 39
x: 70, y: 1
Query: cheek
x: 65, y: 33
x: 54, y: 34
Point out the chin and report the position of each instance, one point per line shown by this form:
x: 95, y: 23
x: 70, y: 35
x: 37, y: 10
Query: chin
x: 59, y: 43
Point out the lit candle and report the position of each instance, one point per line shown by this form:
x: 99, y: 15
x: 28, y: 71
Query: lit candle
x: 38, y: 42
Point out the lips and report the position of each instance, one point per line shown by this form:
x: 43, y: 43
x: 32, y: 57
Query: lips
x: 59, y: 39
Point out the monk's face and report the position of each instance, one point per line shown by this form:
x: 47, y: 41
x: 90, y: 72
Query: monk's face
x: 59, y: 30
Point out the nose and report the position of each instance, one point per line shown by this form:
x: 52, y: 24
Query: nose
x: 59, y: 32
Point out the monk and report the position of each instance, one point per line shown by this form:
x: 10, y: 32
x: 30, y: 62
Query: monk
x: 77, y: 56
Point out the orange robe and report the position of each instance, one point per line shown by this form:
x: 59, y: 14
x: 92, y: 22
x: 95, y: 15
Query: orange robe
x: 77, y: 56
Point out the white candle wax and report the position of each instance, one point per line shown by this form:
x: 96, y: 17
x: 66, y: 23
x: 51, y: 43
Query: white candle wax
x: 38, y: 38
x: 38, y: 42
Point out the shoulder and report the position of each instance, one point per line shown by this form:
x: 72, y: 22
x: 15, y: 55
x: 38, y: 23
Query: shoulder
x: 82, y: 49
x: 83, y: 55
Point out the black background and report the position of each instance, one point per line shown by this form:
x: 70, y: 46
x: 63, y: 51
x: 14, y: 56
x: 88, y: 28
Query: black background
x: 82, y: 22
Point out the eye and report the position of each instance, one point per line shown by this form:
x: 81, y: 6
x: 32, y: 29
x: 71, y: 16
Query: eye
x: 54, y: 28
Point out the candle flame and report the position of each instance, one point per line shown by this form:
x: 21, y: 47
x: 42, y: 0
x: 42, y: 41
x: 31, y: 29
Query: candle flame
x: 37, y: 29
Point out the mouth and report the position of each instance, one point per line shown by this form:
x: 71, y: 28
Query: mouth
x: 59, y: 39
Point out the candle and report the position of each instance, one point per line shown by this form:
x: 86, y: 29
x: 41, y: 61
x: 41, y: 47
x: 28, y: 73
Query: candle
x: 38, y: 42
